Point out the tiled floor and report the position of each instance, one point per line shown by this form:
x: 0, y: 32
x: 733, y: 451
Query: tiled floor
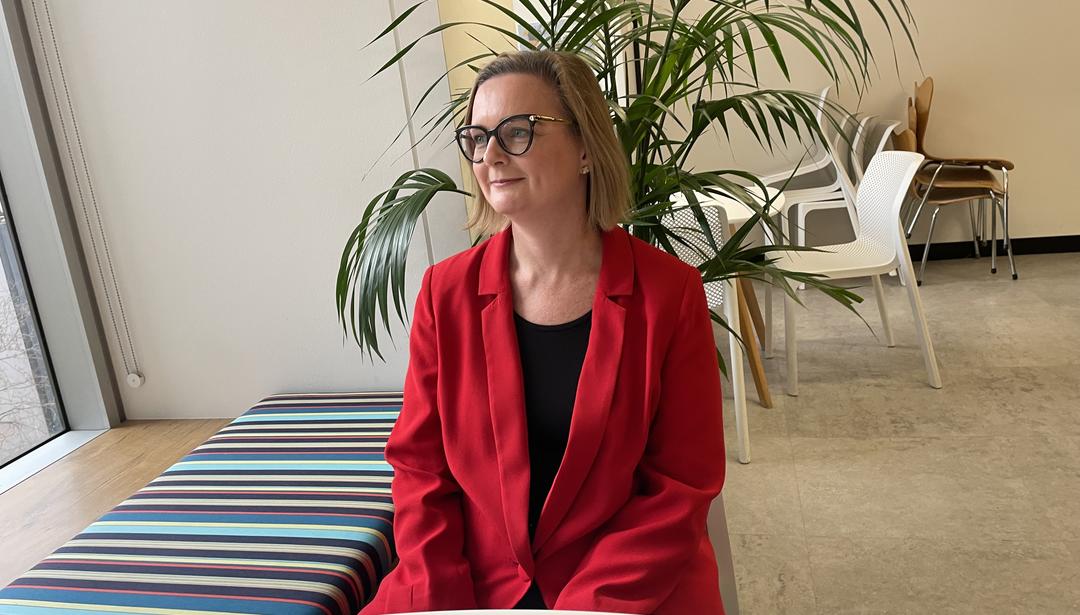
x: 873, y: 493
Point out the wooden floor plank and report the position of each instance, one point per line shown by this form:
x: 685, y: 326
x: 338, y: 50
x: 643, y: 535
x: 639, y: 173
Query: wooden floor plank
x: 46, y: 510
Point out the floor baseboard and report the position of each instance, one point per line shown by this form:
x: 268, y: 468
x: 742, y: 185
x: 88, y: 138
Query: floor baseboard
x: 1021, y: 245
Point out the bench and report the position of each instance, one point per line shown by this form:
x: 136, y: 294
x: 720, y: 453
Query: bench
x: 286, y: 510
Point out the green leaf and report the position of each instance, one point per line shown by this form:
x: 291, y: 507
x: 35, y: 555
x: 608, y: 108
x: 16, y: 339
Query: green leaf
x: 394, y: 24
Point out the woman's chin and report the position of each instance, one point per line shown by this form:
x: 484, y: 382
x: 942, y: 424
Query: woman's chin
x: 505, y: 207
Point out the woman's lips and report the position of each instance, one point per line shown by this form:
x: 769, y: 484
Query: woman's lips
x: 505, y: 182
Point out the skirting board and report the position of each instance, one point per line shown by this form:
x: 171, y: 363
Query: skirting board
x: 1021, y: 245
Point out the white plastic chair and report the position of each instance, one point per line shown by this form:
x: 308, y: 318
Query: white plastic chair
x: 870, y: 138
x: 821, y: 160
x: 878, y: 134
x: 851, y: 156
x: 849, y: 162
x: 831, y: 196
x: 879, y: 247
x: 719, y: 293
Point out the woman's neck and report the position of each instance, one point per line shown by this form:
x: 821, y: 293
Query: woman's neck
x: 554, y: 252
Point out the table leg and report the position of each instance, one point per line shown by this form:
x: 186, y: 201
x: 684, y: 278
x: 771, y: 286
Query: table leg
x: 746, y: 329
x: 746, y: 290
x: 746, y: 287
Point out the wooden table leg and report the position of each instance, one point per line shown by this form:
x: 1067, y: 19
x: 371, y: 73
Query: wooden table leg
x: 746, y: 326
x: 746, y: 287
x: 746, y: 292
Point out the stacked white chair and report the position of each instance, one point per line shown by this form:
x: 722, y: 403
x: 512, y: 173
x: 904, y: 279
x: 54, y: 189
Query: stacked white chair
x: 879, y: 247
x: 833, y: 196
x: 720, y: 294
x: 843, y: 153
x: 817, y: 186
x: 804, y: 176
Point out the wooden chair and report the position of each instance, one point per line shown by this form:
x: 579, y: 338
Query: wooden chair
x: 951, y: 180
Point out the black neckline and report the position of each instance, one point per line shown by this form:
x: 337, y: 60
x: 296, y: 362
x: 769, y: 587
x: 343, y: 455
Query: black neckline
x: 558, y: 327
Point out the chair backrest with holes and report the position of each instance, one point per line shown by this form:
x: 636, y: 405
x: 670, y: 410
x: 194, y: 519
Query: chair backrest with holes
x: 881, y: 194
x: 683, y: 223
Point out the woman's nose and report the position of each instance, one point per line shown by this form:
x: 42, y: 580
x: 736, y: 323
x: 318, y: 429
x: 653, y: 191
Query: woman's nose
x: 494, y: 152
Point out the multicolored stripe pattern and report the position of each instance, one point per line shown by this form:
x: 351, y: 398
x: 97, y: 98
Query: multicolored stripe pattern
x: 286, y: 510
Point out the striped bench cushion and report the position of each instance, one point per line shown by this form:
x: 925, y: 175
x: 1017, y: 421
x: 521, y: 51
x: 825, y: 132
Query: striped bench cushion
x: 286, y: 510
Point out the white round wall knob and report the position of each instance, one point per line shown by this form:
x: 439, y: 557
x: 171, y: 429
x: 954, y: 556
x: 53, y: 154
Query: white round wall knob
x: 135, y: 380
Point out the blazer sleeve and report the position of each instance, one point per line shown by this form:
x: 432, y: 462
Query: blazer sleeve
x: 432, y: 572
x: 637, y: 559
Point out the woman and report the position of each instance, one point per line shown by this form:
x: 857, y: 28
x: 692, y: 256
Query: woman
x: 561, y: 439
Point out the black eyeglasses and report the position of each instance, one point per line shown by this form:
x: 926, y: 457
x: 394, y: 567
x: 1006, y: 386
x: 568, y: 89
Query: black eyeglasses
x: 514, y: 134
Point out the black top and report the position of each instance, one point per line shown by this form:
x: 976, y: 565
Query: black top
x: 551, y: 360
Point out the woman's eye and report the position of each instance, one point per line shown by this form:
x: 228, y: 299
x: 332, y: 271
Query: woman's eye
x: 480, y: 139
x: 519, y: 133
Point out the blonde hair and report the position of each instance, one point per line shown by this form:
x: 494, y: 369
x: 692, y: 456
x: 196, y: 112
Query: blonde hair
x: 608, y: 193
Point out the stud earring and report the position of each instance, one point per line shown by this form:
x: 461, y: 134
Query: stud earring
x: 584, y: 170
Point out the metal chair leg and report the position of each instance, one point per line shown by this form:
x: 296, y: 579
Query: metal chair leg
x: 980, y: 222
x: 926, y: 250
x: 974, y: 231
x: 1005, y: 221
x: 914, y: 219
x: 1005, y: 199
x: 1008, y: 244
x: 925, y: 196
x: 993, y: 236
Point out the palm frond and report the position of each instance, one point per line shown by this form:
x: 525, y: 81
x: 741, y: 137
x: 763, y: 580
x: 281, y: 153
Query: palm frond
x: 685, y: 77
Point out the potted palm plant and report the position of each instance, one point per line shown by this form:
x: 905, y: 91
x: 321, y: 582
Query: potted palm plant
x: 686, y: 75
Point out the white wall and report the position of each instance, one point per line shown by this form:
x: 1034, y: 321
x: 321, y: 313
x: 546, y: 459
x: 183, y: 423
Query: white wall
x: 227, y: 145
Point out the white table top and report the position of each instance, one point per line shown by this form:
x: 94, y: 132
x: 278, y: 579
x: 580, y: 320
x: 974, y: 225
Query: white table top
x: 737, y: 211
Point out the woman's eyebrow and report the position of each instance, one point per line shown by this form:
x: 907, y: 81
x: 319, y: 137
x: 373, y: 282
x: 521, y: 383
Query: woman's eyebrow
x: 498, y: 121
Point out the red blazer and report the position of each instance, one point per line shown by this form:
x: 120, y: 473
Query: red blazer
x: 624, y: 526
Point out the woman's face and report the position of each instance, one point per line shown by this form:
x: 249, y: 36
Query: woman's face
x: 544, y: 182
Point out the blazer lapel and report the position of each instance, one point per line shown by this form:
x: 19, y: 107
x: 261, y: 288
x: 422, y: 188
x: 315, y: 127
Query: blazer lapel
x: 506, y: 393
x: 596, y: 385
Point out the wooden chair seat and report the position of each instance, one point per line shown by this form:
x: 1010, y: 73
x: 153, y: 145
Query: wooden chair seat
x: 959, y: 177
x: 993, y: 163
x: 948, y: 196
